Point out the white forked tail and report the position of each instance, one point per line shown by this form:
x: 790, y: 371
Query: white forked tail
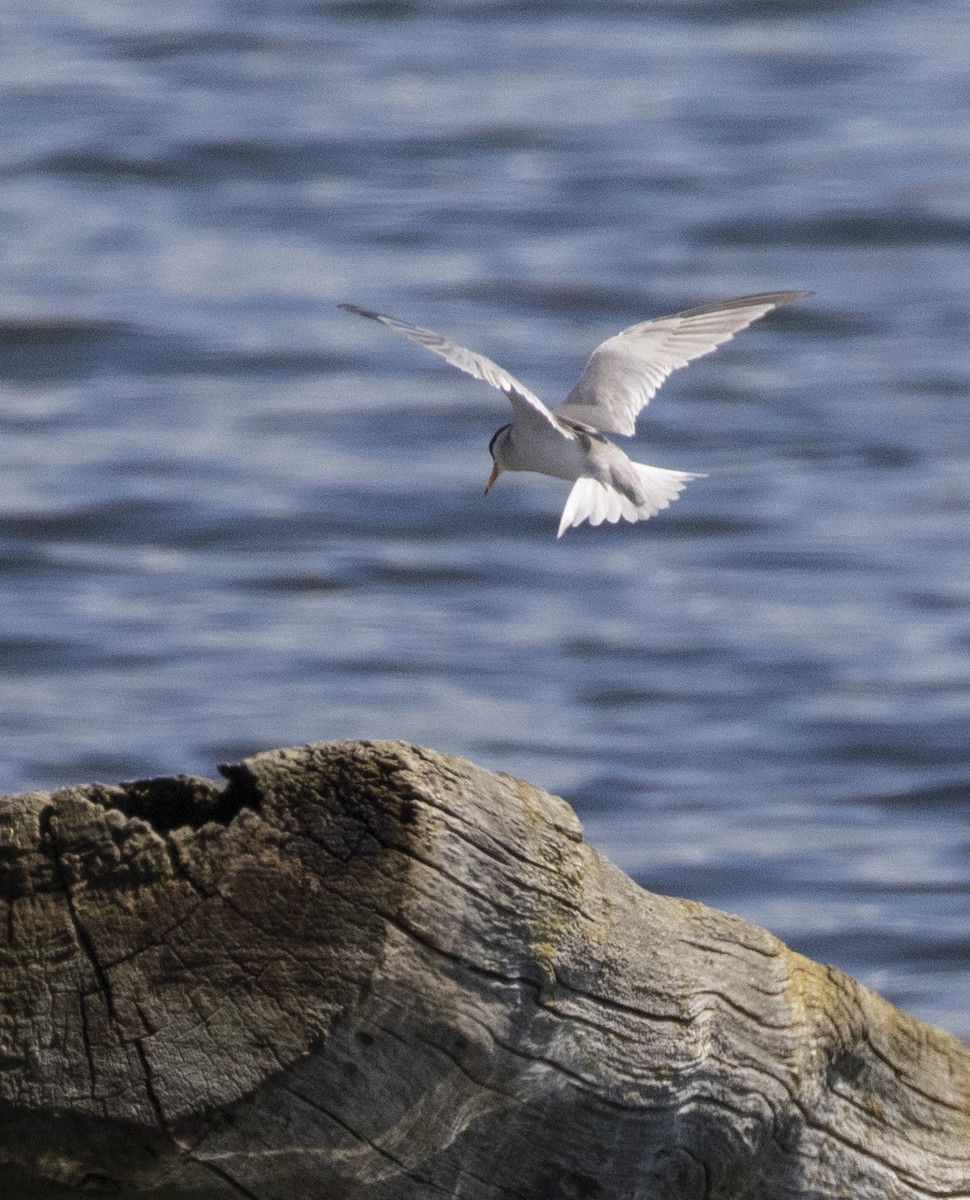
x: 597, y: 502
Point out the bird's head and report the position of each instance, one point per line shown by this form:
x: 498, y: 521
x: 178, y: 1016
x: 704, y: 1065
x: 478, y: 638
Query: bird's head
x: 495, y: 449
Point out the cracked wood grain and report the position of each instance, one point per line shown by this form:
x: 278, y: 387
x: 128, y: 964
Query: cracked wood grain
x: 367, y: 971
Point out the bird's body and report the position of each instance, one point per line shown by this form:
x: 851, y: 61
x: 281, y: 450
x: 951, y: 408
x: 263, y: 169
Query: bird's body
x: 619, y: 379
x: 543, y: 450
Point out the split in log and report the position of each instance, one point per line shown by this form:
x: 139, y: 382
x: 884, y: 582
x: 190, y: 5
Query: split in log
x: 366, y: 971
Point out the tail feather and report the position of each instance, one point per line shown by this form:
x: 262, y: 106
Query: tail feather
x: 596, y: 502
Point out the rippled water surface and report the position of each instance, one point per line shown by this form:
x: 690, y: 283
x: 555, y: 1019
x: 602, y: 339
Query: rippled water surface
x: 232, y: 517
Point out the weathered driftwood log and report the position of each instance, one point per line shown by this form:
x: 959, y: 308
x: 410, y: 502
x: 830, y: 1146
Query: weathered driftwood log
x: 368, y: 970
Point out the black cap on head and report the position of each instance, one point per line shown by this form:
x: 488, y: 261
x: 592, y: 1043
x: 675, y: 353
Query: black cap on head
x: 491, y: 444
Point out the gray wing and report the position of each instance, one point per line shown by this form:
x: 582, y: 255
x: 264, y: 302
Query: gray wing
x: 624, y: 372
x: 524, y: 403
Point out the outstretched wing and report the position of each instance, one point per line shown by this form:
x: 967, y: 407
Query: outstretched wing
x: 525, y: 404
x: 624, y: 372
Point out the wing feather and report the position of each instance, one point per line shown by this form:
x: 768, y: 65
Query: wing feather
x: 623, y: 373
x: 526, y: 405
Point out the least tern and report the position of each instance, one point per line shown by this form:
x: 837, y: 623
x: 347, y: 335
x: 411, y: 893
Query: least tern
x: 619, y: 379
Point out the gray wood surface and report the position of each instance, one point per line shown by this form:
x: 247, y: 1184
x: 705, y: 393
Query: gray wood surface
x: 367, y: 970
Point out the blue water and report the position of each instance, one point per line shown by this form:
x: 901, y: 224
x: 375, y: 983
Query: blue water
x: 232, y: 517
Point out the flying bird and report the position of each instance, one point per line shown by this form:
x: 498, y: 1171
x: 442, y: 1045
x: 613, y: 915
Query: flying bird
x: 619, y: 379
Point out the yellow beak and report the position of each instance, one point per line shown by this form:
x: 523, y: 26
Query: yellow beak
x: 496, y: 472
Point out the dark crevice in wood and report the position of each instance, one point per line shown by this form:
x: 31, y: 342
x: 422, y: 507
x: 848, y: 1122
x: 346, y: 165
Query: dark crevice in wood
x: 171, y: 803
